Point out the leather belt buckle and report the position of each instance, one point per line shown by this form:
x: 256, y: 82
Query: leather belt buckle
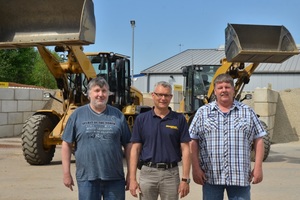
x: 162, y: 165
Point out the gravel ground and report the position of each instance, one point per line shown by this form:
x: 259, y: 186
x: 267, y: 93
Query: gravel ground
x: 21, y: 181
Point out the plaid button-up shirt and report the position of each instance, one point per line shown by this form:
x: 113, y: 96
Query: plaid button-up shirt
x: 225, y: 141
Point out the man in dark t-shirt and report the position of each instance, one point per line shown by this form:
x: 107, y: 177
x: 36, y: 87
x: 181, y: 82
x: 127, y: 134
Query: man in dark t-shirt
x: 99, y: 131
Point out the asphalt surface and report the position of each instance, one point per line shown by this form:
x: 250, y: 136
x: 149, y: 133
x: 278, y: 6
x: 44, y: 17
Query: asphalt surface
x: 21, y: 181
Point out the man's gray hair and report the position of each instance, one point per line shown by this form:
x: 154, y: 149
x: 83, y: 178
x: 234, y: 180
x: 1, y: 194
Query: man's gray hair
x: 221, y: 78
x: 164, y: 84
x: 99, y: 81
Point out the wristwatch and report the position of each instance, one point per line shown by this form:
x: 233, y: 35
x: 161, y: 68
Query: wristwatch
x: 187, y: 180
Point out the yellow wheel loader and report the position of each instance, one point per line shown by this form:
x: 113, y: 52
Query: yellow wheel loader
x: 67, y: 25
x: 246, y: 46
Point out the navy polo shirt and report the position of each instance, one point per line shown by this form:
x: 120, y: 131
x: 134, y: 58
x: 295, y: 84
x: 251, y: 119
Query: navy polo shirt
x: 160, y: 138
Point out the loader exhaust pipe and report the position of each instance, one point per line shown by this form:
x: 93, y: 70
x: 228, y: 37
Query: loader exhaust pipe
x: 48, y: 22
x: 258, y: 43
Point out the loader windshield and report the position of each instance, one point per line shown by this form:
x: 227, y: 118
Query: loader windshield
x: 198, y: 80
x: 115, y: 69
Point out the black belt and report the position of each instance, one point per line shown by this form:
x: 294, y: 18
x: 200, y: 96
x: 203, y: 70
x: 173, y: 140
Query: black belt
x: 161, y: 165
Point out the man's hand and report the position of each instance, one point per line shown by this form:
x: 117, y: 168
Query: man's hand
x: 68, y: 181
x: 198, y: 175
x: 256, y: 175
x: 134, y: 188
x: 184, y: 189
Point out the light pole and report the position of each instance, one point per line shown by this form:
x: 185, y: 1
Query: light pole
x: 132, y: 22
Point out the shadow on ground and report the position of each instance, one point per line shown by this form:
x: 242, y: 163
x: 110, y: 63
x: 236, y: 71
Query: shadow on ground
x: 281, y: 157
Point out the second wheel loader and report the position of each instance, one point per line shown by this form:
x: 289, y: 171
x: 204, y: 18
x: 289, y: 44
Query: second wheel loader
x: 246, y: 46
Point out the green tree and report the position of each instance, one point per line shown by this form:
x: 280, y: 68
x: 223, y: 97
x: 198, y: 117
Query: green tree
x: 41, y: 76
x: 25, y: 66
x: 16, y: 65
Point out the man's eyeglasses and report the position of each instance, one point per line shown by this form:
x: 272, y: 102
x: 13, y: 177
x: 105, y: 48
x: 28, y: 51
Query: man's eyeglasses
x: 159, y: 95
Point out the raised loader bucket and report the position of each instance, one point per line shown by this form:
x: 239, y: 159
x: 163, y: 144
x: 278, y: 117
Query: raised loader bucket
x: 258, y: 43
x: 25, y: 23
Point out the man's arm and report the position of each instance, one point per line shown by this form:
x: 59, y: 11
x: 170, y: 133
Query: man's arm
x: 198, y: 174
x: 127, y: 150
x: 257, y: 173
x: 183, y: 189
x: 134, y: 158
x: 66, y: 152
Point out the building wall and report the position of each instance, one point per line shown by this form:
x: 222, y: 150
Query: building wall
x: 146, y: 85
x: 277, y: 82
x: 140, y: 83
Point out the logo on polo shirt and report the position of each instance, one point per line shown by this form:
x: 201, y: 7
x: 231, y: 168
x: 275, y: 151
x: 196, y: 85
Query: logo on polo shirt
x: 172, y: 127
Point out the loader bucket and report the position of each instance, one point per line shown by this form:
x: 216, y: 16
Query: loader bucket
x: 48, y: 22
x: 258, y: 43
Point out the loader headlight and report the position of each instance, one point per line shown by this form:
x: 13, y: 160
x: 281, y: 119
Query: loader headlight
x: 200, y: 97
x: 47, y: 95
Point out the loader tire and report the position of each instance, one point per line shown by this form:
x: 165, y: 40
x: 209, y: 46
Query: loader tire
x: 267, y: 144
x: 35, y: 129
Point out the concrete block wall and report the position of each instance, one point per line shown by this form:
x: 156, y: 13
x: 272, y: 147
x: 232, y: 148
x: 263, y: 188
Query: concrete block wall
x: 16, y: 105
x: 265, y: 103
x: 175, y: 102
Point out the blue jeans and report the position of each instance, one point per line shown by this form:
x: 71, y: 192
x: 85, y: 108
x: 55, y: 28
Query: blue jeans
x: 216, y: 192
x: 94, y: 190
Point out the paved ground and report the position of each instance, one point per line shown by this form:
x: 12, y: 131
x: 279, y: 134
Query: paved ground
x: 21, y: 181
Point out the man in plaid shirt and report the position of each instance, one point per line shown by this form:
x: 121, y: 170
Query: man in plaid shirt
x: 222, y: 134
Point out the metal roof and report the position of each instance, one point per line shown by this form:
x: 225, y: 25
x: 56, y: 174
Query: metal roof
x: 291, y: 65
x: 213, y: 57
x: 185, y: 58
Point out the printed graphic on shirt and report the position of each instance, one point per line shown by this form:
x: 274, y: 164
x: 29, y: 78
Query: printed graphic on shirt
x: 102, y: 130
x: 172, y: 127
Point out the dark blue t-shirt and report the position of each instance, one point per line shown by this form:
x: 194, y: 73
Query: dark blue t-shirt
x: 160, y: 138
x: 99, y: 139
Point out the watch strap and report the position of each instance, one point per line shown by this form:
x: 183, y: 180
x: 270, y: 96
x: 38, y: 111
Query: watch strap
x: 187, y: 180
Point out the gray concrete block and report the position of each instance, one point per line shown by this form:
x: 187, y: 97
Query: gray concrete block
x: 21, y: 94
x: 38, y: 105
x: 6, y: 131
x: 27, y: 115
x: 9, y: 106
x: 265, y: 95
x: 265, y: 109
x: 3, y: 118
x: 24, y: 106
x: 36, y: 94
x: 18, y: 129
x: 15, y: 118
x: 6, y: 93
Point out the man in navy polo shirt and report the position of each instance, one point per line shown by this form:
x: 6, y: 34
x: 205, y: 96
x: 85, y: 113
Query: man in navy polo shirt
x: 160, y: 140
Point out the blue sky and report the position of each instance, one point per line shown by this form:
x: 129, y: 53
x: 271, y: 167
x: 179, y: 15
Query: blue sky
x: 164, y: 28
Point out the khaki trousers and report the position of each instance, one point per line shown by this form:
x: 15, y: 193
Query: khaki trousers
x: 156, y: 182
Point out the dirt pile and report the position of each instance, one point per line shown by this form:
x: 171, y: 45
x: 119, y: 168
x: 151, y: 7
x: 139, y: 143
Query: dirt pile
x: 287, y: 120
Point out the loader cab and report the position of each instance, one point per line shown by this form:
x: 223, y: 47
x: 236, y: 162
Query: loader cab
x: 198, y: 79
x: 115, y: 69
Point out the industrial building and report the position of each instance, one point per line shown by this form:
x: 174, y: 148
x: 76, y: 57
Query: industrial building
x: 276, y: 76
